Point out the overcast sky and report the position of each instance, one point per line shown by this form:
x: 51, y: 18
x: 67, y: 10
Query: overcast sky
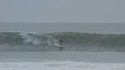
x: 62, y: 11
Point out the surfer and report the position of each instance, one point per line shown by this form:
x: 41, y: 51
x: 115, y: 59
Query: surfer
x: 58, y: 45
x: 60, y: 48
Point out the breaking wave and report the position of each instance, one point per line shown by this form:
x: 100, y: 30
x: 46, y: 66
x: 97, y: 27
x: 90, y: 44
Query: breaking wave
x: 17, y: 41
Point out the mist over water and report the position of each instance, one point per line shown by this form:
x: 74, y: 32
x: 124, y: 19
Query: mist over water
x: 104, y: 28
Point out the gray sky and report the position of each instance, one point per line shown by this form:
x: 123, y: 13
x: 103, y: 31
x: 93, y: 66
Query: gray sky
x: 62, y: 11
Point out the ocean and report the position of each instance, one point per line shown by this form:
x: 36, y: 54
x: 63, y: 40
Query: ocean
x: 107, y: 28
x: 86, y: 46
x: 38, y: 37
x: 64, y: 60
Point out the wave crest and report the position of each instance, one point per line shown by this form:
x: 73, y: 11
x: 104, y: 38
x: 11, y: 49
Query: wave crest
x: 71, y: 40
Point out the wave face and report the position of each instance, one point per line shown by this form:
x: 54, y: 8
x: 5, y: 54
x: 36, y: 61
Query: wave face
x: 71, y: 41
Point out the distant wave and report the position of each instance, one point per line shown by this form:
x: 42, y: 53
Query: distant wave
x: 17, y: 41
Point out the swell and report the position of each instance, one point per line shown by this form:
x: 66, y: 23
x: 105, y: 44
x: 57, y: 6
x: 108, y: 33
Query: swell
x: 71, y: 41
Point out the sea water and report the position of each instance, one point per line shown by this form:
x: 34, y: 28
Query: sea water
x: 108, y: 28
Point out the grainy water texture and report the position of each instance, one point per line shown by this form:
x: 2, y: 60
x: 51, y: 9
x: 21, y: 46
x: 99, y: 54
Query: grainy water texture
x: 66, y: 60
x: 71, y: 41
x: 108, y: 28
x: 62, y: 34
x: 86, y: 46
